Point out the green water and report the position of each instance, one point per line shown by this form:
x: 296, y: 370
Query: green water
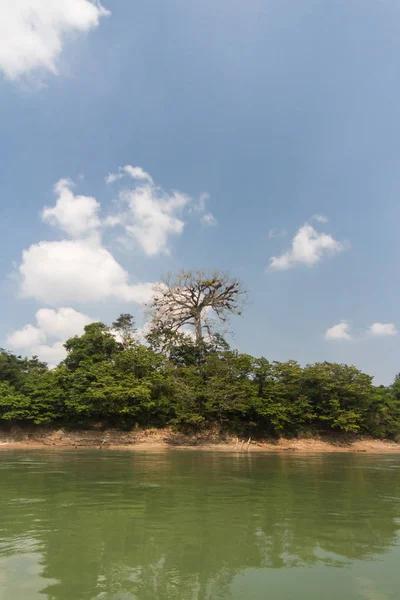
x: 110, y: 525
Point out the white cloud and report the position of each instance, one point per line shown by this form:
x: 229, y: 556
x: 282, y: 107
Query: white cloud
x: 51, y: 325
x: 134, y: 172
x: 81, y: 269
x: 112, y: 177
x: 112, y: 221
x: 149, y: 214
x: 339, y: 332
x: 32, y: 32
x: 209, y: 219
x: 200, y: 206
x: 152, y: 217
x: 52, y: 354
x: 27, y: 337
x: 62, y: 323
x: 320, y: 218
x: 76, y: 215
x: 308, y: 248
x: 137, y: 173
x: 382, y: 329
x: 76, y: 271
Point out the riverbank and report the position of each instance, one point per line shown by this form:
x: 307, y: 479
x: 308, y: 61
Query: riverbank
x: 167, y: 439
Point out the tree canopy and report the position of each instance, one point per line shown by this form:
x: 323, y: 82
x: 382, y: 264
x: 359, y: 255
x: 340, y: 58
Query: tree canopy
x: 110, y: 376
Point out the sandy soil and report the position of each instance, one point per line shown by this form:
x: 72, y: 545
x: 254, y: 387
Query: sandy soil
x: 167, y: 439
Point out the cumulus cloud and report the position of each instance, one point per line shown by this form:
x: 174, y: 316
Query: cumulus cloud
x: 32, y: 32
x: 46, y: 339
x: 112, y: 177
x: 382, y: 329
x: 134, y: 172
x: 151, y: 217
x: 209, y: 219
x: 341, y: 331
x: 76, y: 271
x: 27, y: 337
x: 62, y: 323
x: 81, y: 269
x: 148, y: 214
x: 76, y: 215
x: 52, y: 354
x: 338, y: 332
x: 308, y: 248
x: 137, y: 173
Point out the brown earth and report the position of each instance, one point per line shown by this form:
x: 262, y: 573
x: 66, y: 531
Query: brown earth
x: 167, y: 439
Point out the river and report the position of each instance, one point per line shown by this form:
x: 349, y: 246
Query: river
x: 192, y: 525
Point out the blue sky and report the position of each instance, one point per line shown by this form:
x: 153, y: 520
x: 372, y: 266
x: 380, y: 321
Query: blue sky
x: 277, y: 111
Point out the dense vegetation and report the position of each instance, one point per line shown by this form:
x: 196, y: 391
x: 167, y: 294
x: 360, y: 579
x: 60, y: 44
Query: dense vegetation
x: 191, y: 384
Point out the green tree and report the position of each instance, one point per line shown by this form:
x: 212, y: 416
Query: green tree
x: 14, y: 368
x: 97, y: 344
x: 187, y: 381
x: 14, y: 406
x: 229, y: 389
x: 125, y: 327
x: 339, y: 395
x: 283, y: 407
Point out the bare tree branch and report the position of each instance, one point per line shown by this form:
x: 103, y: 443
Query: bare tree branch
x: 190, y: 297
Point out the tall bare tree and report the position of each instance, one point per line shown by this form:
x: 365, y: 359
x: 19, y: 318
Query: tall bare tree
x: 193, y: 298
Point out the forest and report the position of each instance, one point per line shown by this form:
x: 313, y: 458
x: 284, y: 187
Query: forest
x: 183, y: 373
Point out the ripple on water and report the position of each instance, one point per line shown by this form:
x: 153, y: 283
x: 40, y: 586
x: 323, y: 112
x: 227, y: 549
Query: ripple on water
x: 26, y: 500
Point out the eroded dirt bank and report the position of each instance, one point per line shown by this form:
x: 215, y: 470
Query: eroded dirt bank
x: 166, y: 439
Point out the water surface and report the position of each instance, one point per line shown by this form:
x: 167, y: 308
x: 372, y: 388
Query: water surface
x: 108, y: 525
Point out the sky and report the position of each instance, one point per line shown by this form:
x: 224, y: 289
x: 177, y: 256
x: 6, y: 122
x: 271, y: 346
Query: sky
x: 257, y: 137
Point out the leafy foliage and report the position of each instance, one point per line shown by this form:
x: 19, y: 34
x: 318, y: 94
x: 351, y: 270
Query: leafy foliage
x: 109, y: 376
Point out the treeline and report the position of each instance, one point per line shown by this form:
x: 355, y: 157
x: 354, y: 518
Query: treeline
x: 118, y: 381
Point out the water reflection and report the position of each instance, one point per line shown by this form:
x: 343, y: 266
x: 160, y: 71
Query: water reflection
x: 119, y: 526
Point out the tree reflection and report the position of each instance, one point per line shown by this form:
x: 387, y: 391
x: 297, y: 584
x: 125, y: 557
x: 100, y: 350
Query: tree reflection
x: 182, y: 525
